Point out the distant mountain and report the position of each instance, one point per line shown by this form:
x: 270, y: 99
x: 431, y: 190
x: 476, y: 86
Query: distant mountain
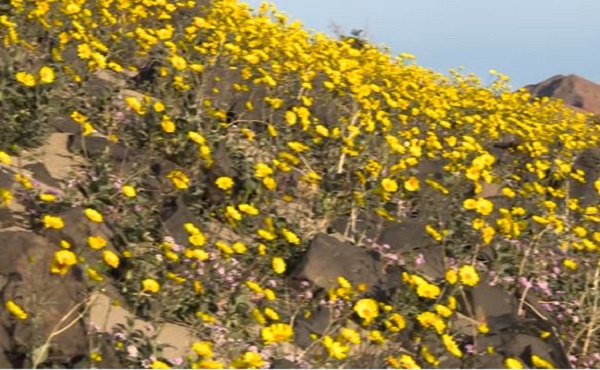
x: 574, y: 90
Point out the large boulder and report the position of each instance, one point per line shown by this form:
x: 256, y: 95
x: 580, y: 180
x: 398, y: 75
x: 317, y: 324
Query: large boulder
x: 48, y: 298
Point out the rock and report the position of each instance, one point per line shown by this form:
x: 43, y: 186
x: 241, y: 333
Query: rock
x: 25, y: 259
x: 282, y: 363
x: 105, y: 316
x: 408, y: 239
x: 77, y: 228
x: 174, y: 215
x: 589, y: 162
x: 359, y: 227
x: 497, y: 307
x: 318, y: 321
x: 41, y: 174
x: 328, y: 258
x: 65, y: 125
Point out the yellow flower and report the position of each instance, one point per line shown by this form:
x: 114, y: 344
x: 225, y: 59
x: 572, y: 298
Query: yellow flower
x: 267, y: 235
x: 269, y: 295
x: 407, y: 362
x: 93, y: 215
x: 276, y: 333
x: 427, y: 290
x: 451, y: 276
x: 367, y: 309
x: 5, y: 158
x: 197, y: 138
x: 209, y: 364
x: 179, y: 63
x: 156, y: 364
x: 468, y: 275
x: 129, y: 191
x: 203, y: 349
x: 167, y: 124
x: 110, y: 258
x: 47, y: 197
x: 233, y: 213
x: 269, y: 183
x: 271, y: 314
x: 62, y: 261
x: 26, y: 79
x: 481, y: 205
x: 94, y: 275
x: 96, y: 242
x: 290, y: 237
x: 239, y: 247
x: 483, y: 328
x: 278, y: 265
x: 179, y: 179
x: 389, y: 185
x: 412, y: 184
x: 197, y: 239
x: 350, y: 335
x: 159, y: 107
x: 442, y: 310
x: 376, y: 337
x: 335, y: 349
x: 23, y: 180
x: 5, y: 197
x: 429, y: 357
x: 540, y: 363
x: 133, y: 103
x: 570, y: 264
x: 395, y: 323
x: 297, y: 146
x: 262, y: 170
x: 150, y: 285
x: 513, y: 363
x: 451, y: 345
x: 16, y: 310
x: 254, y: 287
x: 251, y: 360
x: 53, y: 222
x: 248, y: 209
x: 431, y: 320
x: 291, y: 118
x: 224, y: 183
x: 46, y: 75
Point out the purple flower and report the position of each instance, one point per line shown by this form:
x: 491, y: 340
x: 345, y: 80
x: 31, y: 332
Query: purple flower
x: 420, y: 259
x: 177, y: 361
x: 524, y: 282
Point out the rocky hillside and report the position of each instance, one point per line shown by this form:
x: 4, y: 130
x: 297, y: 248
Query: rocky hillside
x: 200, y: 184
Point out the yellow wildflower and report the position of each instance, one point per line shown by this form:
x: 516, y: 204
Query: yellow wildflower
x: 110, y: 258
x: 513, y: 363
x: 276, y: 333
x: 96, y: 242
x: 128, y: 191
x: 150, y: 285
x: 224, y: 183
x: 46, y: 75
x: 367, y: 309
x: 93, y: 215
x: 16, y: 310
x: 53, y: 222
x: 278, y: 265
x: 62, y: 261
x: 468, y: 275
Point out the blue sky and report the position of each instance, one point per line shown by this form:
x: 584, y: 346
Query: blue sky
x: 528, y: 40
